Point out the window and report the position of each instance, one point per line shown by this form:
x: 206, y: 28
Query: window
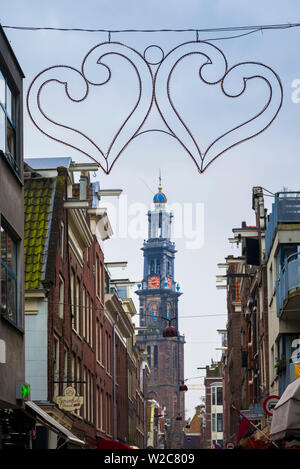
x: 84, y: 312
x: 97, y: 338
x: 101, y: 345
x: 55, y: 367
x: 99, y: 333
x: 101, y: 408
x: 98, y: 277
x: 100, y: 280
x: 219, y: 423
x: 155, y: 358
x: 77, y: 385
x: 219, y: 396
x: 61, y: 297
x: 97, y: 408
x: 88, y: 412
x: 108, y: 352
x: 213, y: 422
x: 141, y: 379
x: 92, y: 398
x: 213, y: 396
x: 72, y: 286
x: 77, y: 302
x: 91, y: 322
x: 108, y: 414
x: 149, y: 354
x: 65, y: 366
x: 87, y: 308
x: 8, y: 275
x: 122, y: 292
x: 73, y: 361
x: 85, y: 393
x: 61, y: 239
x: 8, y: 123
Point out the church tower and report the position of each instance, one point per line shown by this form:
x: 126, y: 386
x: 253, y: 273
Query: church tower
x: 158, y: 297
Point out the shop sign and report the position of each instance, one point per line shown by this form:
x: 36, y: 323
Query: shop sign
x: 69, y: 401
x: 22, y: 391
x: 255, y: 412
x: 269, y: 404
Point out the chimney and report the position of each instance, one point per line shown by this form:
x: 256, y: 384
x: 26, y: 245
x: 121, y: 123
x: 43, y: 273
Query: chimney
x: 83, y: 185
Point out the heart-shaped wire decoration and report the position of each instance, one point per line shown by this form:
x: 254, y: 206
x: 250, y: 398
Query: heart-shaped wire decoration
x: 155, y: 89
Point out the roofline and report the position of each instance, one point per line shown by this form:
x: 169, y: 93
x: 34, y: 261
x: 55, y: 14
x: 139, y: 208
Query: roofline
x: 11, y: 51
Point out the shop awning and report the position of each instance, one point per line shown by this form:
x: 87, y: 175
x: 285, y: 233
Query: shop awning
x: 105, y: 443
x: 50, y: 422
x: 286, y: 414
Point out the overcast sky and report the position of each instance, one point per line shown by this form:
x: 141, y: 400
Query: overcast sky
x: 224, y: 191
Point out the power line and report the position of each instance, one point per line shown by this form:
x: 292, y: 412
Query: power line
x: 71, y: 305
x: 195, y: 30
x: 231, y: 37
x: 150, y: 315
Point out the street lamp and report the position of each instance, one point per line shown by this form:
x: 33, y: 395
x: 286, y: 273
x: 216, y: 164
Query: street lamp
x: 170, y: 331
x: 183, y: 387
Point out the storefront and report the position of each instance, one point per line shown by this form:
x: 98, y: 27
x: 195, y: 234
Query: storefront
x: 50, y: 434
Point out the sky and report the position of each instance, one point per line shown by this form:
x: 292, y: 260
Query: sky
x: 222, y: 195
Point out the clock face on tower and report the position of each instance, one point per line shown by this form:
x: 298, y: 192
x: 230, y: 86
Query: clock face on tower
x: 153, y: 282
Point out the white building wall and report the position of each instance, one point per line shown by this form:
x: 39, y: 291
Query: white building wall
x: 287, y: 234
x: 36, y: 359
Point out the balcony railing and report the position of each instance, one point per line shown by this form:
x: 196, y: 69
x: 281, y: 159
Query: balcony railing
x: 285, y: 209
x: 289, y: 280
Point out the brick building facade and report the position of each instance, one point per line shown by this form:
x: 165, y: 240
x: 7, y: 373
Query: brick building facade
x: 213, y: 383
x: 64, y: 284
x: 14, y: 423
x: 246, y: 360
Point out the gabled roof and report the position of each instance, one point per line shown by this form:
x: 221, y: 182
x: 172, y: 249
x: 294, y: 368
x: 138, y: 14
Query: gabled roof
x: 195, y: 425
x: 38, y: 205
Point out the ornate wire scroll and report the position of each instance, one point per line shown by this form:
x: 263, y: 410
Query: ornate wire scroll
x: 154, y: 89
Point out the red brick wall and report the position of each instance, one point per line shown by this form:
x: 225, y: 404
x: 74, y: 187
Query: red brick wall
x: 76, y: 343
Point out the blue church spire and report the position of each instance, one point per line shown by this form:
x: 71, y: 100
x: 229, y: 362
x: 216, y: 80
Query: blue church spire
x: 160, y: 197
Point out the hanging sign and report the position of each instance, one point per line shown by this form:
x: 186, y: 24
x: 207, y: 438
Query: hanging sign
x: 69, y: 401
